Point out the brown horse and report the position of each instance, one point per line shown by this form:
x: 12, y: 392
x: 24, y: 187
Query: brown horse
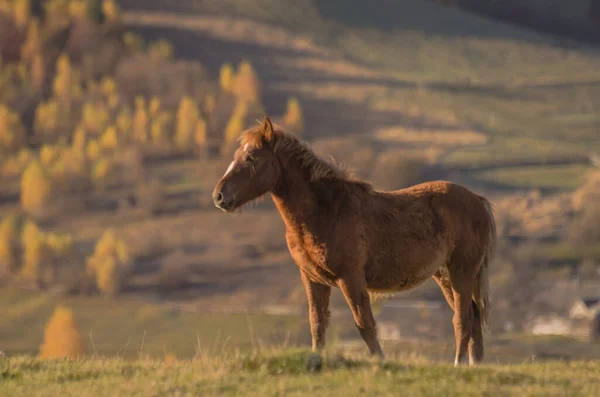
x: 343, y: 233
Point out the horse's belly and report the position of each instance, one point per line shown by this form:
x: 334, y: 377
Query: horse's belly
x: 404, y: 273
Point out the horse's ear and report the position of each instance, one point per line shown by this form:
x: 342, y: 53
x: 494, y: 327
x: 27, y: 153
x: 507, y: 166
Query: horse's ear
x: 267, y: 128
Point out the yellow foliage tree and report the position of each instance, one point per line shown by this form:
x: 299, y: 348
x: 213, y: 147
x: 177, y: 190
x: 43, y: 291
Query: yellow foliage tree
x: 294, y: 118
x: 154, y: 106
x: 102, y: 169
x: 35, y: 253
x: 21, y: 12
x: 187, y: 117
x: 200, y: 133
x: 110, y: 138
x: 79, y: 140
x: 49, y: 154
x: 209, y: 104
x: 109, y: 263
x: 47, y: 118
x: 111, y: 10
x: 12, y: 133
x: 236, y: 124
x: 95, y: 117
x: 66, y: 82
x: 226, y: 77
x: 92, y: 150
x: 62, y: 337
x: 159, y: 128
x: 9, y: 233
x: 247, y: 85
x: 33, y: 42
x: 36, y: 189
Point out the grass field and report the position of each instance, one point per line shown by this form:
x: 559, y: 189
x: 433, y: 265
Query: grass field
x: 283, y: 373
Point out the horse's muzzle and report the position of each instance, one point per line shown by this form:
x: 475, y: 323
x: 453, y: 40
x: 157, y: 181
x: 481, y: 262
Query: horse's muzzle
x: 223, y: 199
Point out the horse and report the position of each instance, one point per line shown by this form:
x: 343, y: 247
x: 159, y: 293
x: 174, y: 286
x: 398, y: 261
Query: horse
x: 343, y: 233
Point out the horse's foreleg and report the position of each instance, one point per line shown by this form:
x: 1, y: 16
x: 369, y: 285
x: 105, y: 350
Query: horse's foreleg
x: 318, y: 306
x: 355, y: 292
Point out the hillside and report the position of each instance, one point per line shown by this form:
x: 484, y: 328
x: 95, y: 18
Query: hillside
x: 409, y: 68
x: 283, y: 373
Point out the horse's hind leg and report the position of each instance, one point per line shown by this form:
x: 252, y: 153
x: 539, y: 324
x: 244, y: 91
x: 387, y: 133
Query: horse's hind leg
x: 462, y: 291
x: 443, y: 281
x: 476, y: 342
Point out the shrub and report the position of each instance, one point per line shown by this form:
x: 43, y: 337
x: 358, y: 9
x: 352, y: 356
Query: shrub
x: 396, y: 171
x: 124, y: 122
x: 293, y: 118
x: 62, y: 337
x: 36, y: 189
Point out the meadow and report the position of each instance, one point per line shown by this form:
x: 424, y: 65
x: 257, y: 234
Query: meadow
x: 283, y: 373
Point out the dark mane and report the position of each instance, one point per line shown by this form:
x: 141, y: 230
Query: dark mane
x: 283, y: 142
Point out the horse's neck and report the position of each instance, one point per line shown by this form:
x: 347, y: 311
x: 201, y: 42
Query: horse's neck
x: 298, y: 202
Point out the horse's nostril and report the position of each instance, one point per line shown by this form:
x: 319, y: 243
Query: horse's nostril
x: 219, y: 197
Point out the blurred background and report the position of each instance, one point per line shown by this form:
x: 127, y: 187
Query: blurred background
x: 118, y: 117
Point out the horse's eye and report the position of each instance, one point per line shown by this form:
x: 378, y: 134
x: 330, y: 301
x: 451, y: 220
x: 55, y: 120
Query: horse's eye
x: 250, y: 158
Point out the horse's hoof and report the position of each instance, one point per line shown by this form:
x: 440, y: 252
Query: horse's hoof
x: 314, y: 363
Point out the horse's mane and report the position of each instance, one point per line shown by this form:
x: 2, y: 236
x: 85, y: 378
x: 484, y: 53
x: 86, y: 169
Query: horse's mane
x: 290, y: 146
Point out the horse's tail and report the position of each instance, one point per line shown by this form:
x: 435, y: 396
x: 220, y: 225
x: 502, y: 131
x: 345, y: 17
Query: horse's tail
x: 482, y: 288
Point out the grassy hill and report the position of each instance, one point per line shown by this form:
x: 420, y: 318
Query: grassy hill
x: 283, y: 374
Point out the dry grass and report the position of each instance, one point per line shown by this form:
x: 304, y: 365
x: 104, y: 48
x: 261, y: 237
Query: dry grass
x: 284, y: 373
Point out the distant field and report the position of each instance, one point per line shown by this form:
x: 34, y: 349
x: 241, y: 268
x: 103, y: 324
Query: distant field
x: 283, y: 373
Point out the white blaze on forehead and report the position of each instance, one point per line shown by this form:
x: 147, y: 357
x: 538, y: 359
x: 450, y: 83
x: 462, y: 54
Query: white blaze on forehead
x: 230, y: 168
x: 245, y: 147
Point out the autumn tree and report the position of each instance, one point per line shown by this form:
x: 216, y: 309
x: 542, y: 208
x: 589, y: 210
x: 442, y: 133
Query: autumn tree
x: 226, y: 78
x: 294, y: 118
x: 12, y: 133
x: 9, y: 244
x: 62, y: 337
x: 187, y: 118
x: 35, y: 254
x: 36, y: 189
x: 246, y: 84
x: 110, y: 263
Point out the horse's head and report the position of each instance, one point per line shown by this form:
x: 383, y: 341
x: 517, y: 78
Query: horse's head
x: 253, y: 172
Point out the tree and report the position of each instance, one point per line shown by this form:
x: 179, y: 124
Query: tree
x: 187, y: 117
x: 9, y: 233
x: 36, y: 189
x: 110, y: 263
x: 62, y: 337
x: 247, y: 85
x: 12, y: 133
x: 35, y: 254
x: 226, y: 78
x: 293, y: 118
